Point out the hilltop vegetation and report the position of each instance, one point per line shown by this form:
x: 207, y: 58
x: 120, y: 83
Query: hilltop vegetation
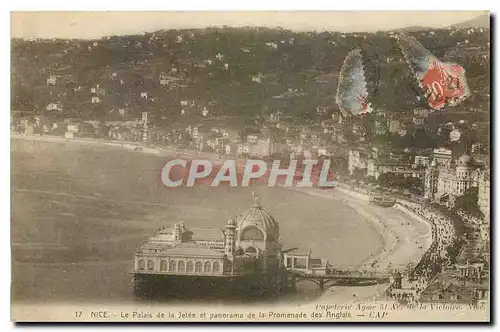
x: 235, y: 72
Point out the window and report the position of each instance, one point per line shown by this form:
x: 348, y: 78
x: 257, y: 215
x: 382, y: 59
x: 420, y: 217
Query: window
x: 180, y: 266
x: 251, y: 250
x: 151, y: 265
x: 216, y: 268
x: 171, y: 266
x: 142, y: 264
x: 207, y: 268
x: 189, y: 267
x: 197, y: 267
x: 163, y: 265
x: 300, y: 263
x: 252, y: 233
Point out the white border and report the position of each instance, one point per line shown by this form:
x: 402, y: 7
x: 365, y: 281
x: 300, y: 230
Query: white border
x: 8, y: 6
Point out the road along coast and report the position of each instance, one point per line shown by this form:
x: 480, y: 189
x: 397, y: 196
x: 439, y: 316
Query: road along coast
x: 405, y: 239
x: 405, y: 236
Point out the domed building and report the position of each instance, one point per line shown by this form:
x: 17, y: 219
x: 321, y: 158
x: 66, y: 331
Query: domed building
x: 247, y: 246
x: 257, y: 236
x: 445, y: 181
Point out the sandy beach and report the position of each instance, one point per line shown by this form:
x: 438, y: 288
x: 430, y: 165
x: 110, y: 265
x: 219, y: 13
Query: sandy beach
x: 405, y: 237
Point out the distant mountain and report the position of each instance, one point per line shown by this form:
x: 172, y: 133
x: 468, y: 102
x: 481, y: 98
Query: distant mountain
x: 413, y: 29
x: 482, y: 21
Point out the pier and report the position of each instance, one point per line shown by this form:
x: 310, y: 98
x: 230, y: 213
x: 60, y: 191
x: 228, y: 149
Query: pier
x: 301, y: 266
x: 351, y: 278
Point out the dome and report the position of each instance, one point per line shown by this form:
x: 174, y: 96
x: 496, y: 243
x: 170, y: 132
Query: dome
x: 256, y: 216
x: 231, y: 222
x: 464, y: 160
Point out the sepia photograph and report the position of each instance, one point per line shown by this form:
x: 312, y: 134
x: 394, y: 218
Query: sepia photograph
x: 270, y: 166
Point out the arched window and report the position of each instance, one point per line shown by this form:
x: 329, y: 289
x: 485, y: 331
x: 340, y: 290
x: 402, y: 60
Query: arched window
x: 142, y: 264
x: 216, y: 267
x: 171, y: 266
x: 251, y: 250
x: 208, y: 267
x: 163, y: 265
x: 151, y: 265
x: 197, y: 267
x: 189, y: 267
x: 180, y: 266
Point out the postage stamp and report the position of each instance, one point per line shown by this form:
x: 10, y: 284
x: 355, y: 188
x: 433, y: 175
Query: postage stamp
x: 209, y: 167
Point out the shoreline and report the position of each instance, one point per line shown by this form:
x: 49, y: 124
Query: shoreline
x: 394, y: 237
x: 389, y: 234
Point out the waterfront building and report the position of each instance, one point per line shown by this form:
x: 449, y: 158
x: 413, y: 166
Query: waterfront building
x: 421, y: 161
x: 442, y: 156
x: 247, y: 246
x: 303, y: 261
x: 376, y: 168
x: 71, y: 130
x: 358, y: 159
x: 443, y: 182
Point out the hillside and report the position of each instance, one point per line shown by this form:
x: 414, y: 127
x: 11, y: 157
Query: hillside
x: 482, y: 21
x: 235, y: 72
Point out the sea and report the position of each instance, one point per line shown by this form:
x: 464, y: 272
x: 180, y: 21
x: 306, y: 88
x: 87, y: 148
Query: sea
x: 78, y: 212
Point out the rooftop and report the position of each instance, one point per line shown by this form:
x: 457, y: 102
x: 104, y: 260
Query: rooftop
x: 192, y: 249
x: 207, y: 234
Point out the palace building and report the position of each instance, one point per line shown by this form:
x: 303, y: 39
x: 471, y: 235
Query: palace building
x: 246, y: 250
x: 445, y: 180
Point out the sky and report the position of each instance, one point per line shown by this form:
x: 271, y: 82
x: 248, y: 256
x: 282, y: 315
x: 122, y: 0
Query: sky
x: 93, y: 25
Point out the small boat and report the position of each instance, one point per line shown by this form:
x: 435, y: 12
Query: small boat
x: 383, y: 201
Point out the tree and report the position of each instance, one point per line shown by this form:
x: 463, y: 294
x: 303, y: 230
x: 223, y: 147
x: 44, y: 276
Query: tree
x: 371, y: 179
x: 359, y: 173
x: 395, y: 180
x: 468, y: 202
x: 453, y: 250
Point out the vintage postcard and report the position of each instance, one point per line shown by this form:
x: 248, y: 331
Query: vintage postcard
x: 250, y: 166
